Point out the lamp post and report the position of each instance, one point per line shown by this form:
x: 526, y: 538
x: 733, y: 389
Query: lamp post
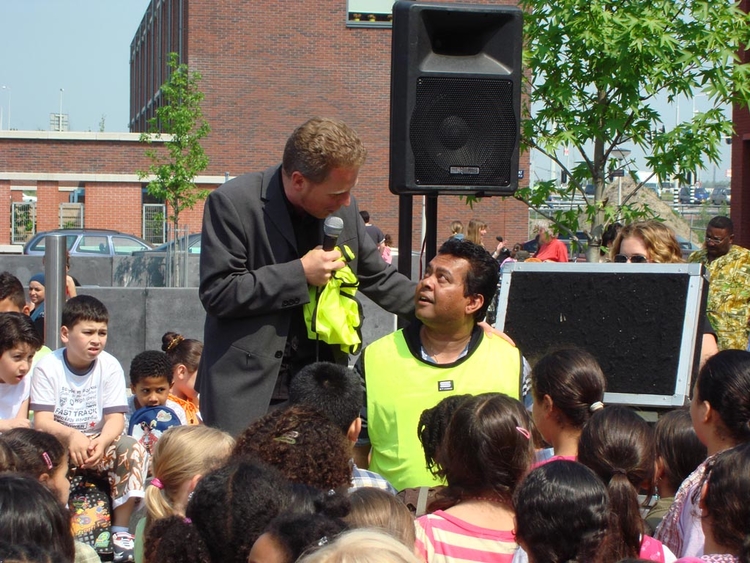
x: 620, y: 155
x: 9, y: 94
x: 59, y: 115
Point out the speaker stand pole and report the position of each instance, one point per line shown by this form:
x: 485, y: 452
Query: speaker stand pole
x: 431, y: 213
x: 405, y: 206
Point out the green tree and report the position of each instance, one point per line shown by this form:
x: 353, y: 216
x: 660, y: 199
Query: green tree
x: 595, y: 68
x: 180, y: 116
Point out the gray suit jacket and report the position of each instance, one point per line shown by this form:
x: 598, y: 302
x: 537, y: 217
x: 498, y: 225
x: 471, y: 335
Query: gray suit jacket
x: 251, y: 281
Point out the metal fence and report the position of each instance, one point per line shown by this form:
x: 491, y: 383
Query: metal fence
x: 71, y: 215
x: 23, y: 221
x: 154, y: 223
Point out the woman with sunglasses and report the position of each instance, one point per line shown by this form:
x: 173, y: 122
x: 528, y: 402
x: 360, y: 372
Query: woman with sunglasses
x: 652, y: 241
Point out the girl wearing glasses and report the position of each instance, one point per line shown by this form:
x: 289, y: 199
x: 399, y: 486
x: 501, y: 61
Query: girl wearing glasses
x: 653, y: 242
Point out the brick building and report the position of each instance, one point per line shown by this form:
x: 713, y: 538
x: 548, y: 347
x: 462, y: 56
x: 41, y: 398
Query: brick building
x: 267, y: 66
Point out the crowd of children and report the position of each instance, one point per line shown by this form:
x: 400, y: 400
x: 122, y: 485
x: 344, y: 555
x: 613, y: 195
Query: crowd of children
x: 565, y: 478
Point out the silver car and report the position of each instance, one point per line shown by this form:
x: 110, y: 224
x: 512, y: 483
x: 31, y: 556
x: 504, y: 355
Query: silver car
x: 89, y: 242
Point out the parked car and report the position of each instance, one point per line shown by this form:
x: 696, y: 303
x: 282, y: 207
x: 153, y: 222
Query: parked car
x: 687, y: 247
x: 720, y: 195
x: 89, y: 242
x: 700, y: 195
x: 193, y: 246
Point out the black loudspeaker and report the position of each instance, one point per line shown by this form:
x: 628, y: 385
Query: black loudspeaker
x: 455, y: 99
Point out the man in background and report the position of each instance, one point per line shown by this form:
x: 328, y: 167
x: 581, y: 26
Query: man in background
x: 728, y: 266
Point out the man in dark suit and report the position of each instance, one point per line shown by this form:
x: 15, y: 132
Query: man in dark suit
x: 260, y: 251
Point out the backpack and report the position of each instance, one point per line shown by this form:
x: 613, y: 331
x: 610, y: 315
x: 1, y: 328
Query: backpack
x: 147, y: 424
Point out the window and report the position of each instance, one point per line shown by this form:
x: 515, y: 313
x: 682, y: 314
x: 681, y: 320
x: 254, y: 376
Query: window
x: 369, y: 13
x: 93, y: 244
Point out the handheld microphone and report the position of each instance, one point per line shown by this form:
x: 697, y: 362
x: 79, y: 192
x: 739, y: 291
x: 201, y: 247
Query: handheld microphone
x: 332, y: 228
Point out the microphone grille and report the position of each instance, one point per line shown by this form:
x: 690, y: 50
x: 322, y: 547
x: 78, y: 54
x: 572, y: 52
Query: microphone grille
x: 333, y: 226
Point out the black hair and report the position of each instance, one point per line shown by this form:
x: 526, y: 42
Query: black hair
x: 678, y: 446
x: 725, y: 502
x: 83, y: 308
x: 618, y: 445
x: 365, y: 215
x: 303, y: 444
x: 433, y: 423
x: 296, y: 533
x: 150, y: 363
x: 228, y: 511
x: 722, y: 222
x: 486, y: 451
x: 334, y: 390
x: 27, y: 553
x: 30, y: 514
x: 12, y: 288
x: 30, y: 446
x: 15, y: 329
x: 181, y: 350
x: 610, y: 234
x: 562, y: 513
x: 482, y: 276
x: 724, y: 381
x: 573, y: 380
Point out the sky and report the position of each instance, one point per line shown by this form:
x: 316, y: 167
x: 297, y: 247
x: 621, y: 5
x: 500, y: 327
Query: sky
x: 83, y: 48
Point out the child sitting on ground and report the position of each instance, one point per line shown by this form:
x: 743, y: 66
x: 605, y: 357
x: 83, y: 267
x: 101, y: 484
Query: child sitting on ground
x: 13, y: 300
x: 337, y: 392
x: 43, y: 457
x: 19, y: 341
x: 150, y: 380
x: 567, y: 387
x: 185, y: 355
x: 720, y: 411
x: 678, y: 453
x: 544, y: 503
x: 78, y: 395
x: 486, y: 452
x: 618, y: 445
x: 181, y: 457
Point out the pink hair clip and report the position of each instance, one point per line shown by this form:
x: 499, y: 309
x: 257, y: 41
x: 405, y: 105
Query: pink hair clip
x: 525, y: 433
x: 47, y: 460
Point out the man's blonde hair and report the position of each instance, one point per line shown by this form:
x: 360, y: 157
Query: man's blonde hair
x: 321, y: 144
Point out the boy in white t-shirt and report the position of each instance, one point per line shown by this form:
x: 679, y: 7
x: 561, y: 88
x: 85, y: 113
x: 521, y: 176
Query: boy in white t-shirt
x: 78, y: 394
x: 19, y: 341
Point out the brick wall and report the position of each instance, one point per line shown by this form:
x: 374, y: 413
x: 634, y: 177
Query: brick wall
x: 268, y: 66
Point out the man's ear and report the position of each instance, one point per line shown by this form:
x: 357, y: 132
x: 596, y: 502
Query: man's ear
x: 64, y: 333
x: 298, y: 180
x: 26, y: 310
x: 354, y: 428
x: 475, y: 303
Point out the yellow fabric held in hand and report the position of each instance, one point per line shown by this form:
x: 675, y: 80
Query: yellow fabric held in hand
x: 333, y: 315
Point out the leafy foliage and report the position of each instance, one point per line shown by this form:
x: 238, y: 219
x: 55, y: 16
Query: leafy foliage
x: 180, y: 116
x: 595, y: 68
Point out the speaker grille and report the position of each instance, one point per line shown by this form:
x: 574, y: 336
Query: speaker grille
x: 463, y: 131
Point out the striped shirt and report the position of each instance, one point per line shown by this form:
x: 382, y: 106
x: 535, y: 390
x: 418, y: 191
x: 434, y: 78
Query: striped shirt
x: 442, y: 537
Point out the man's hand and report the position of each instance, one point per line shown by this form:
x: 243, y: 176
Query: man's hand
x: 319, y: 264
x: 78, y: 447
x: 489, y: 331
